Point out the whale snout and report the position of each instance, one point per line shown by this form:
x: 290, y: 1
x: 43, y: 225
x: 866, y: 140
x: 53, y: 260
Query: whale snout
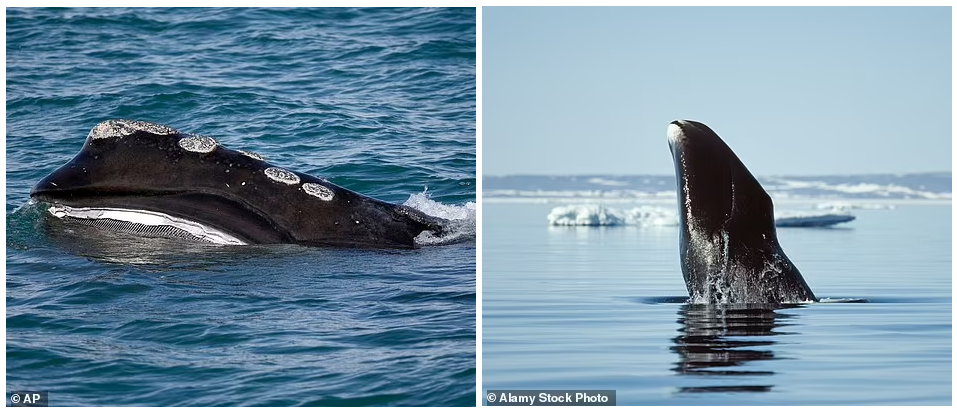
x: 683, y: 133
x: 677, y: 135
x: 675, y: 132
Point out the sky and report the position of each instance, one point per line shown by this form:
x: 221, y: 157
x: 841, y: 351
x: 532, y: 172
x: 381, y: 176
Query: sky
x: 793, y: 91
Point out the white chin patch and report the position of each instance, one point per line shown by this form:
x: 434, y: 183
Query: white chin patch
x: 674, y: 132
x: 150, y: 221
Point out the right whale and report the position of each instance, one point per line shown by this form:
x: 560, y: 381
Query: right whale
x: 153, y: 180
x: 728, y: 245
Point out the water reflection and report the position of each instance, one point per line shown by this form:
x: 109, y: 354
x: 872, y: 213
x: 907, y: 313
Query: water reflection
x: 720, y: 342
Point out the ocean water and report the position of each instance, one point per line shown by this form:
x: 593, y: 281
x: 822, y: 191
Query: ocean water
x: 603, y: 308
x: 380, y: 101
x: 661, y: 188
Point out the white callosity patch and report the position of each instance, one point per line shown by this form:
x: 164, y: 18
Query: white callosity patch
x: 281, y: 175
x: 198, y: 143
x: 253, y: 155
x: 318, y: 191
x: 148, y: 218
x: 118, y: 128
x: 674, y: 132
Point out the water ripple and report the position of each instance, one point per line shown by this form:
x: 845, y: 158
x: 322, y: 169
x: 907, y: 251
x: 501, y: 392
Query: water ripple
x: 381, y: 101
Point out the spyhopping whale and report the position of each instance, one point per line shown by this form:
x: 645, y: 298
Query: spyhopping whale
x: 149, y: 178
x: 728, y: 245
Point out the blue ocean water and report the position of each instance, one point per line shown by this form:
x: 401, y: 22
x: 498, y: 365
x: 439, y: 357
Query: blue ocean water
x: 629, y: 188
x: 380, y: 101
x: 603, y: 308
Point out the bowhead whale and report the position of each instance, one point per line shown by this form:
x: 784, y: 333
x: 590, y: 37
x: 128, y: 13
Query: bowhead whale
x: 728, y: 245
x: 152, y: 179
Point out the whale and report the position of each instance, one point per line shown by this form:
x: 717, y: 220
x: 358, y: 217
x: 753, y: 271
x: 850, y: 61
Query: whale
x: 150, y: 179
x: 728, y: 246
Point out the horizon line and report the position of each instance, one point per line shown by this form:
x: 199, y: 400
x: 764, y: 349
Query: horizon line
x: 769, y: 175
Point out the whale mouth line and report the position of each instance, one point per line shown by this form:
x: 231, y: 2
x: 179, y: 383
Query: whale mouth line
x: 144, y: 222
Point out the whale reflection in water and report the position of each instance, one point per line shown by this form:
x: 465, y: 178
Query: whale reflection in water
x: 719, y: 342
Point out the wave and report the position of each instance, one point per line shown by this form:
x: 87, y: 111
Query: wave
x: 462, y: 219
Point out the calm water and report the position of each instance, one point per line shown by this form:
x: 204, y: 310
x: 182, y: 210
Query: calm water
x: 378, y: 101
x: 599, y: 308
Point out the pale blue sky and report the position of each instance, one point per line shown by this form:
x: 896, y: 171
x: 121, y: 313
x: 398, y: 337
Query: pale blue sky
x: 819, y: 90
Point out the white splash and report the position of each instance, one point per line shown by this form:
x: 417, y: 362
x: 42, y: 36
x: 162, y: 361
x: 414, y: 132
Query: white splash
x: 461, y: 218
